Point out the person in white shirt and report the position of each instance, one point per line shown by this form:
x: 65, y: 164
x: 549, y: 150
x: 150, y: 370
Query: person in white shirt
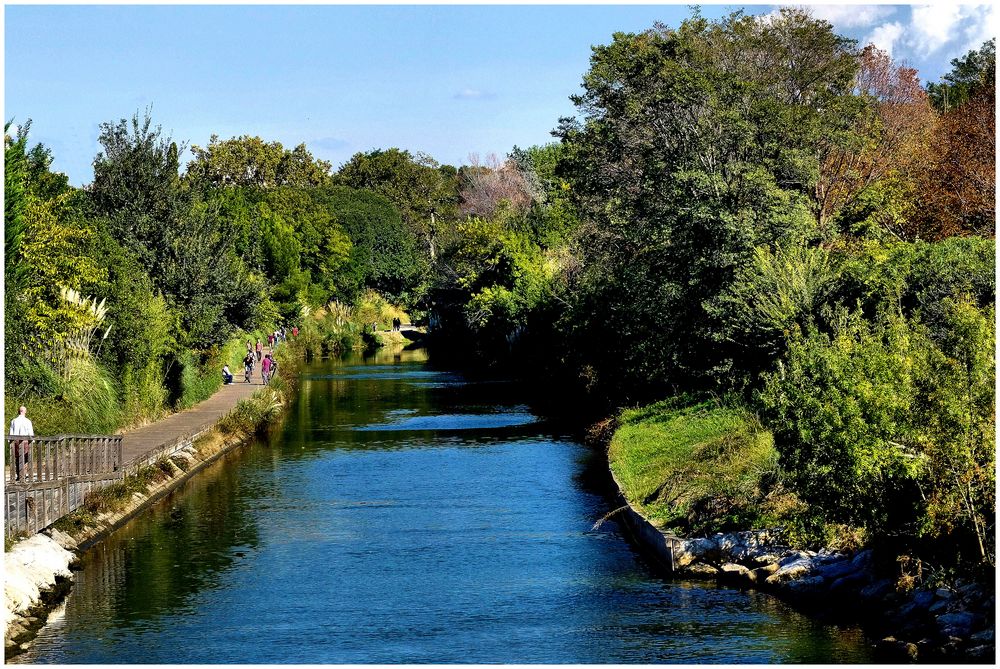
x: 21, y: 427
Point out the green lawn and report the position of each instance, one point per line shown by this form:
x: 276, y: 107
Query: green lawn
x: 697, y: 467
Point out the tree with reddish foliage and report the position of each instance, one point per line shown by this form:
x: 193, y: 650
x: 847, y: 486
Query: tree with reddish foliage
x: 957, y: 191
x: 487, y: 186
x: 888, y: 139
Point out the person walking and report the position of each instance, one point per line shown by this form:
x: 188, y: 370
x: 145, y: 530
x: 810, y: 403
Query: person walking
x: 265, y: 368
x: 260, y: 350
x: 21, y: 427
x: 248, y: 367
x: 270, y: 340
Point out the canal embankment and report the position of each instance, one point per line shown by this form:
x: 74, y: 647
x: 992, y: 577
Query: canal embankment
x: 160, y: 458
x: 689, y: 466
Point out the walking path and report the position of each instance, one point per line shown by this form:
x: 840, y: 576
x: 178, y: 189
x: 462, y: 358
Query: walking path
x: 145, y: 444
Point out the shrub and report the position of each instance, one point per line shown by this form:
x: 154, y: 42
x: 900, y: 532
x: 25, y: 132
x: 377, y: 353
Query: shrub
x: 840, y: 408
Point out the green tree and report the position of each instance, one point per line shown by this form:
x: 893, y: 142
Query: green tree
x: 973, y: 71
x: 424, y: 192
x: 696, y: 146
x: 252, y: 162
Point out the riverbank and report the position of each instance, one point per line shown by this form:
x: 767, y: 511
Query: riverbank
x: 38, y: 570
x: 675, y: 466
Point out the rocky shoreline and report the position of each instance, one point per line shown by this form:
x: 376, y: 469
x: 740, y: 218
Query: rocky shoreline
x: 941, y: 624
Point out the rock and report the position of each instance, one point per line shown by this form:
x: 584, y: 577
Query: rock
x: 877, y: 590
x: 986, y: 636
x: 923, y: 599
x: 835, y: 570
x: 894, y: 650
x: 700, y: 569
x: 63, y: 539
x: 793, y: 556
x: 790, y: 571
x: 984, y: 653
x: 863, y: 559
x: 944, y: 593
x: 849, y: 583
x: 940, y: 606
x: 691, y: 550
x: 761, y: 573
x: 956, y: 624
x: 806, y: 585
x: 736, y: 574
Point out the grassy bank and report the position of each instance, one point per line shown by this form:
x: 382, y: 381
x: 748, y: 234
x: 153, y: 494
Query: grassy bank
x: 698, y: 467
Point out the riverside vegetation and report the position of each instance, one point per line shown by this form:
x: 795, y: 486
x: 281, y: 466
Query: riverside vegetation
x: 773, y: 246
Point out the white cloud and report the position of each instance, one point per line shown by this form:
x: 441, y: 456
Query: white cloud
x: 933, y: 26
x: 852, y: 16
x: 885, y: 36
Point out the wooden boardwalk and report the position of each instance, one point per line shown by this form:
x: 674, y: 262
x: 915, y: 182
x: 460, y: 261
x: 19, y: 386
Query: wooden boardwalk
x: 146, y: 444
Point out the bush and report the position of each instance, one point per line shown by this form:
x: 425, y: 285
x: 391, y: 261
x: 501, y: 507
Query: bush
x: 840, y: 407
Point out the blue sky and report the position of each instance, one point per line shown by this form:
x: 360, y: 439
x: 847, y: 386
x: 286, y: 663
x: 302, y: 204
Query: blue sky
x: 445, y: 80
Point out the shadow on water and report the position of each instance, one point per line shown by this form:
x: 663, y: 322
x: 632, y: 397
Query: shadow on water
x: 406, y: 513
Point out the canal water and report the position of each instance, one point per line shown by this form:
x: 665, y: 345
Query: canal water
x: 404, y: 513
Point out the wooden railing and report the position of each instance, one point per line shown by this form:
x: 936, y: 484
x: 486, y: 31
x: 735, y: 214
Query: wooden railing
x: 48, y: 477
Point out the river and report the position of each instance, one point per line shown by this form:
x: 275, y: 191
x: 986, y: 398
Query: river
x: 404, y: 513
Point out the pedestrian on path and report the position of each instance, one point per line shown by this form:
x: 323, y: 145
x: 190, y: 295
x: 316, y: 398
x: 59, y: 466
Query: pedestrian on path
x: 227, y: 376
x: 260, y: 350
x: 265, y: 368
x: 21, y: 427
x: 248, y: 367
x: 270, y: 340
x: 295, y: 331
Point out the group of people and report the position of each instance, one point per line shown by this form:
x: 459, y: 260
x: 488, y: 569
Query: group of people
x: 396, y: 324
x: 255, y: 354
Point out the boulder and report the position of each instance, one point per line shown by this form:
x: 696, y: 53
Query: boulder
x: 944, y: 593
x: 877, y: 590
x: 793, y: 556
x: 940, y: 606
x: 849, y: 583
x: 806, y: 585
x: 700, y: 569
x: 985, y: 636
x: 693, y: 550
x: 923, y: 599
x: 984, y: 654
x: 760, y: 574
x: 862, y: 560
x: 894, y: 650
x: 790, y: 571
x: 835, y: 570
x: 956, y: 624
x: 736, y: 574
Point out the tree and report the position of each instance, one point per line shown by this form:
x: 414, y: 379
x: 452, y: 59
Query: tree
x: 969, y: 74
x: 136, y: 185
x: 252, y: 162
x: 883, y: 151
x: 424, y: 192
x: 486, y: 186
x: 696, y: 146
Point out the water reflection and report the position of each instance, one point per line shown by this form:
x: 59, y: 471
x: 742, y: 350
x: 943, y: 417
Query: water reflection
x: 394, y: 521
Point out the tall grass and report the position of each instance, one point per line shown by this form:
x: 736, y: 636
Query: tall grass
x: 201, y: 378
x: 85, y: 402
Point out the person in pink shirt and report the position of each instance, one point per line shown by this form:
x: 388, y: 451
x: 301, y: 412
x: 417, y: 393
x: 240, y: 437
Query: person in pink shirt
x: 265, y: 368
